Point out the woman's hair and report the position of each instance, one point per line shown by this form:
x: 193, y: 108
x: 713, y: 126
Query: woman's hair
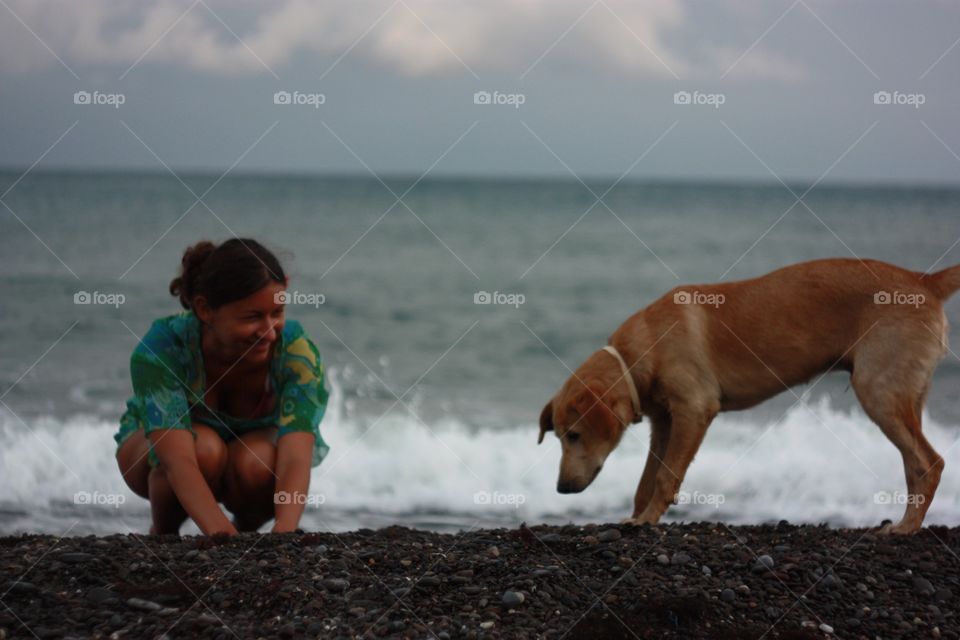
x: 224, y: 273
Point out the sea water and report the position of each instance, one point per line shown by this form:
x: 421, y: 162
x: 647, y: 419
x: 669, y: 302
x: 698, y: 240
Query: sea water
x: 446, y: 321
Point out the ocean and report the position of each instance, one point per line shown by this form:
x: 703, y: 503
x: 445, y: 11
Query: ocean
x: 435, y: 399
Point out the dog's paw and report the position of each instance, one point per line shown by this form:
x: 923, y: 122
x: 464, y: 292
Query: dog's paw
x: 899, y: 529
x: 636, y: 521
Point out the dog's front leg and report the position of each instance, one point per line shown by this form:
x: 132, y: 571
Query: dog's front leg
x: 685, y: 435
x: 659, y: 437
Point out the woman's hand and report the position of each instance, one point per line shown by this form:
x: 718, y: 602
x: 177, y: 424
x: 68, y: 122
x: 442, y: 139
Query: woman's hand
x: 178, y: 459
x: 230, y: 531
x: 283, y: 528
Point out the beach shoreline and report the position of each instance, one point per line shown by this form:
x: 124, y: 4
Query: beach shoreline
x: 691, y: 580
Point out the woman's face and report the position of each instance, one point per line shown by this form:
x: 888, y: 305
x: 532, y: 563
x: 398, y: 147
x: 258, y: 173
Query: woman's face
x: 246, y: 329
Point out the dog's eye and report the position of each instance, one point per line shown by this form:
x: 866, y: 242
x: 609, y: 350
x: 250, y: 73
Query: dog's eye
x: 573, y: 437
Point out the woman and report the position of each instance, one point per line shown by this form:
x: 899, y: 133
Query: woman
x: 228, y: 396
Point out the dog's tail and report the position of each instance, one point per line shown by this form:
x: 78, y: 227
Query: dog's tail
x: 943, y: 283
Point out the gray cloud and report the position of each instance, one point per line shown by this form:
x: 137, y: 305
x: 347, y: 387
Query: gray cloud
x: 797, y: 76
x: 411, y: 37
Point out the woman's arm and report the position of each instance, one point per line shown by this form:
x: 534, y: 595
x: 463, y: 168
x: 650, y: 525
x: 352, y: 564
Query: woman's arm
x: 178, y: 459
x: 303, y: 401
x: 294, y: 455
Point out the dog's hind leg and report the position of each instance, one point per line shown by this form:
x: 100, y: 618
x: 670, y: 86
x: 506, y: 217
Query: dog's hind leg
x: 893, y: 394
x: 659, y: 437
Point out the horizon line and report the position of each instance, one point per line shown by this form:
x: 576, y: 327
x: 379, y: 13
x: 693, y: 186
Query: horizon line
x: 872, y: 183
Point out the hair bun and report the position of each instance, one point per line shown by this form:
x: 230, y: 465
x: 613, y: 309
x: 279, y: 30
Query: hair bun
x: 184, y: 286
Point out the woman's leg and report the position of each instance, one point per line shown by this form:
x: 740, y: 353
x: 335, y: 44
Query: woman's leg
x: 250, y: 478
x: 133, y: 463
x: 168, y: 514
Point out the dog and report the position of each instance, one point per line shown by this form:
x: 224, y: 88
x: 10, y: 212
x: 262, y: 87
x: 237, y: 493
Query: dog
x: 702, y: 349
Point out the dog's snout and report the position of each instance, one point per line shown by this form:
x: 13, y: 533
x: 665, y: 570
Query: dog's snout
x: 565, y: 486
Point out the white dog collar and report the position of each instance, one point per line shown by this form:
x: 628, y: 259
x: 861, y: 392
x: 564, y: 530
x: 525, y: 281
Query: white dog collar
x: 634, y: 396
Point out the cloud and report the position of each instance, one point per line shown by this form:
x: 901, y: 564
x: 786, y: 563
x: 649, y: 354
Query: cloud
x: 409, y: 37
x: 756, y: 64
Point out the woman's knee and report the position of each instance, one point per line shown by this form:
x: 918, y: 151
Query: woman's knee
x: 211, y: 453
x: 133, y: 463
x: 252, y: 464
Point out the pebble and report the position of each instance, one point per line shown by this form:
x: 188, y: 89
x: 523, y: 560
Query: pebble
x: 20, y: 586
x: 153, y: 607
x: 609, y: 535
x: 99, y: 595
x: 680, y: 558
x: 512, y: 599
x: 923, y: 587
x: 336, y: 585
x: 829, y: 581
x: 727, y: 595
x: 663, y: 558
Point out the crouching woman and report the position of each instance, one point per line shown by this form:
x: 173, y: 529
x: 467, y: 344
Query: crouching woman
x: 227, y: 399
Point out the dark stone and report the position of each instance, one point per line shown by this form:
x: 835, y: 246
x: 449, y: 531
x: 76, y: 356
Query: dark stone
x: 609, y: 535
x: 923, y: 587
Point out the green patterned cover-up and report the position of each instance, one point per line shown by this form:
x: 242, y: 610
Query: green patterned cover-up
x: 169, y: 381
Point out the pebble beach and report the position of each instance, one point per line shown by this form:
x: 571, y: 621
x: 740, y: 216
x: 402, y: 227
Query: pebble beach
x: 699, y: 580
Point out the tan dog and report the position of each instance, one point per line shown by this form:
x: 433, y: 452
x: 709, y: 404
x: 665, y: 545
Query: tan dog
x: 703, y: 349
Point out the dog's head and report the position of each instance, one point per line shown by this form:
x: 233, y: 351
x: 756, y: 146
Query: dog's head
x: 589, y: 415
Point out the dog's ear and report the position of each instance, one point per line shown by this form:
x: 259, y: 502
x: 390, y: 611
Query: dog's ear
x: 546, y: 420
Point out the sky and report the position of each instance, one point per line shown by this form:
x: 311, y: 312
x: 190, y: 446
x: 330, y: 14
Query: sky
x: 797, y: 91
